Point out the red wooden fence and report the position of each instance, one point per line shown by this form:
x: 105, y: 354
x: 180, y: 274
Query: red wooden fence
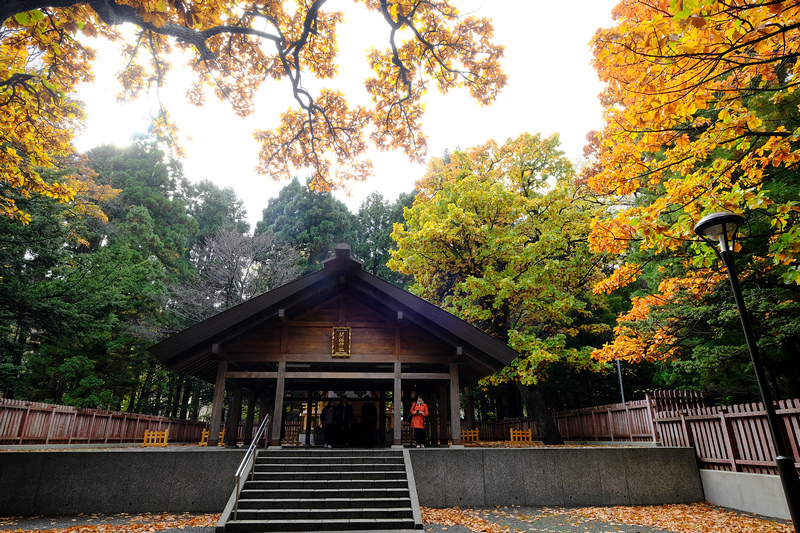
x: 631, y: 421
x: 734, y: 438
x: 41, y: 423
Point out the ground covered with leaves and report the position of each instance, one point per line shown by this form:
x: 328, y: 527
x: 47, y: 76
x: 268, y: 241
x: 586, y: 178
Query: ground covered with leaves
x: 694, y: 518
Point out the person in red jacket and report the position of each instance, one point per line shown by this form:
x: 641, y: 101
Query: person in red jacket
x: 419, y: 412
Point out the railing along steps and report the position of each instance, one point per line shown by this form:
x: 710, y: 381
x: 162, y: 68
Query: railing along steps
x: 325, y: 490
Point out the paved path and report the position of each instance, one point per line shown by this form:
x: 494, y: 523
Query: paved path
x: 533, y: 519
x: 525, y: 519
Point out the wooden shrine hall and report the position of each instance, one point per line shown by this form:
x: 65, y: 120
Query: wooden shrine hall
x: 337, y: 329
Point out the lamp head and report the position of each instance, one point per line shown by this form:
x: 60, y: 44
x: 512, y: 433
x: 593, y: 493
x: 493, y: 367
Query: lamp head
x: 719, y: 226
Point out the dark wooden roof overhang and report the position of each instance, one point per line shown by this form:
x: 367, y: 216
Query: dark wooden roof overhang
x: 192, y: 350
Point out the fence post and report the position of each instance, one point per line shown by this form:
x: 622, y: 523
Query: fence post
x: 727, y: 437
x: 50, y: 425
x: 689, y: 438
x: 594, y: 427
x: 651, y: 413
x: 610, y: 423
x: 24, y: 423
x: 629, y: 422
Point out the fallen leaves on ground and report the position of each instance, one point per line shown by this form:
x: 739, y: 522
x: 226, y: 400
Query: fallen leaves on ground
x: 455, y: 516
x: 143, y: 523
x: 691, y: 518
x: 698, y: 517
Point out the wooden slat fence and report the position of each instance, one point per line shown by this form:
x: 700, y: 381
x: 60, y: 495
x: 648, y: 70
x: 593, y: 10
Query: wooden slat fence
x: 40, y: 423
x: 733, y: 438
x: 631, y: 421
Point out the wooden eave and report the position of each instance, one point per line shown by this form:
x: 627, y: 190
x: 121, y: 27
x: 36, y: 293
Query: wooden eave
x: 190, y: 351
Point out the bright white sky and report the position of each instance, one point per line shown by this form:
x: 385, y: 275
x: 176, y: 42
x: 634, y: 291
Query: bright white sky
x: 552, y: 89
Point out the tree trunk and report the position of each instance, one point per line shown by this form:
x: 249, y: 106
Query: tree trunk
x: 177, y: 393
x: 545, y: 425
x: 197, y: 389
x: 187, y: 392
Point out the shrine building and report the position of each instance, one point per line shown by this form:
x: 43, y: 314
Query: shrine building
x: 340, y: 331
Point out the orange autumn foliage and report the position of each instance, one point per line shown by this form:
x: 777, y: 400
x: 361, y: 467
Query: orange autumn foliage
x: 232, y: 49
x: 700, y: 101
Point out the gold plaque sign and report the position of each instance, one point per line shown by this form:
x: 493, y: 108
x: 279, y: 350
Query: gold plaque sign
x: 340, y: 346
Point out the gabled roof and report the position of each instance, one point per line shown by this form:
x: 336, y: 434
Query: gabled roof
x: 191, y: 349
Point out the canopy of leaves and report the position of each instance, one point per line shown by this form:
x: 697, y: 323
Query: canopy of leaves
x: 233, y: 48
x: 700, y: 116
x: 498, y: 236
x: 700, y: 107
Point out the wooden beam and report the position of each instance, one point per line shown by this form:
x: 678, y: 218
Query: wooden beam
x: 252, y: 357
x: 338, y: 375
x: 252, y: 375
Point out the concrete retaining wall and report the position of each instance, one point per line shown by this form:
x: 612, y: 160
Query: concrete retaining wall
x: 752, y: 493
x: 558, y: 477
x: 53, y: 483
x: 117, y: 481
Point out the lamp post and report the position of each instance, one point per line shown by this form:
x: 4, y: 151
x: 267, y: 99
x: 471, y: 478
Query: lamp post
x: 723, y: 226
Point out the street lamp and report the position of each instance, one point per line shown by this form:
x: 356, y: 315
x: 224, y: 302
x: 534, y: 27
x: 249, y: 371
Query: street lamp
x: 722, y: 227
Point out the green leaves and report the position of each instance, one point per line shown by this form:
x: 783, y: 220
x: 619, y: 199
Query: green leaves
x: 29, y: 17
x: 492, y: 240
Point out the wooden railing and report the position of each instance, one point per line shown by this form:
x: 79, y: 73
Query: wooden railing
x: 631, y: 421
x: 40, y: 423
x: 734, y: 438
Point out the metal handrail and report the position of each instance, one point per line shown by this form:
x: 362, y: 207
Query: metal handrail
x: 246, y: 466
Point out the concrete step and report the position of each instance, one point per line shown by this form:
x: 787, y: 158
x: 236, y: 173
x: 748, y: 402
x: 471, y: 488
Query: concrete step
x: 342, y: 466
x: 330, y: 458
x: 349, y: 513
x: 362, y: 524
x: 325, y: 491
x: 335, y: 484
x: 307, y: 494
x: 341, y: 475
x: 316, y: 502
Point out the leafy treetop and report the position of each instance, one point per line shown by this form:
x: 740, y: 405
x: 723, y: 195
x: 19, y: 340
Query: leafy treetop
x: 701, y: 115
x: 233, y: 48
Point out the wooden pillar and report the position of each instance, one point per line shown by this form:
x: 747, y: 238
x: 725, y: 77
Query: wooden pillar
x: 232, y: 431
x: 443, y: 415
x: 216, y: 406
x: 248, y: 421
x: 397, y: 401
x: 455, y: 406
x: 277, y: 416
x: 309, y: 417
x: 382, y: 418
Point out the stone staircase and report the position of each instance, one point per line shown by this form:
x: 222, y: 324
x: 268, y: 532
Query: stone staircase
x: 327, y: 490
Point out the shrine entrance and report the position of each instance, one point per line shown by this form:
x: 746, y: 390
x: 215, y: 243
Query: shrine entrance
x: 337, y: 332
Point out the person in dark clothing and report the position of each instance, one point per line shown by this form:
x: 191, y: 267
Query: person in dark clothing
x: 369, y: 416
x: 343, y: 415
x: 328, y: 418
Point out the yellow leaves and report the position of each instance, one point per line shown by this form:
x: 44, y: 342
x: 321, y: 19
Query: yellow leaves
x: 230, y: 47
